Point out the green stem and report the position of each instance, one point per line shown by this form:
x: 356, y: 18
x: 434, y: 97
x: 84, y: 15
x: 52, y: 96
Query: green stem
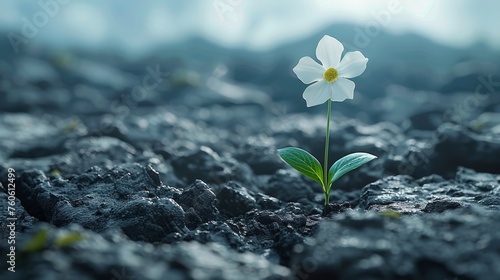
x: 327, y: 144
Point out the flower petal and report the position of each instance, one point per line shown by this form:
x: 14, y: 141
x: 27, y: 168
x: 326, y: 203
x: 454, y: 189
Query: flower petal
x: 352, y: 65
x: 317, y: 93
x: 342, y: 89
x: 329, y: 51
x: 308, y: 70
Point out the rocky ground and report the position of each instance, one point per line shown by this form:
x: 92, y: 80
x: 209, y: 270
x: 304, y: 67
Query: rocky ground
x: 182, y: 180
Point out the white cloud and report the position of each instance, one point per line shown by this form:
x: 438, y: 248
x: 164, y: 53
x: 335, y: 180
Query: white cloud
x: 258, y: 24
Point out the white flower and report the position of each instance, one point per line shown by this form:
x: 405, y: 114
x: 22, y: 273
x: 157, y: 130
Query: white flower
x: 330, y: 77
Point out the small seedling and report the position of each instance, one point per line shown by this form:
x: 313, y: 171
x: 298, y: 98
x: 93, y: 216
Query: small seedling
x: 329, y: 83
x: 46, y: 238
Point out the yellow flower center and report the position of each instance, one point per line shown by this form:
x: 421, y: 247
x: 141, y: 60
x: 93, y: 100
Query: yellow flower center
x: 331, y: 75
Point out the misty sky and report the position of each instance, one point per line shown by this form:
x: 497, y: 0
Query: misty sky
x: 134, y: 26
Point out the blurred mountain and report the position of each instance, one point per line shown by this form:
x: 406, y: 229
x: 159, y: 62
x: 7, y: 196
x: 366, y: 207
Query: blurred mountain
x: 407, y: 60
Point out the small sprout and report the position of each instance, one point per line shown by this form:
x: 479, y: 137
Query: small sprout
x: 63, y: 59
x: 38, y: 242
x: 55, y: 172
x: 329, y: 83
x: 390, y: 214
x: 182, y: 78
x: 45, y: 238
x: 72, y: 126
x: 68, y: 238
x: 478, y: 125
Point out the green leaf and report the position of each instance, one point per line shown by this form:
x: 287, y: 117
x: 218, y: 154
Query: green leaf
x: 346, y: 164
x: 68, y: 239
x: 37, y: 242
x: 303, y: 162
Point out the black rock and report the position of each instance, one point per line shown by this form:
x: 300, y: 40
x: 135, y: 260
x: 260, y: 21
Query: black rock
x: 260, y: 154
x: 335, y: 208
x: 149, y: 220
x: 290, y: 186
x: 234, y: 200
x: 277, y: 229
x: 441, y: 205
x: 85, y: 153
x: 460, y: 146
x: 76, y: 253
x: 226, y: 234
x: 208, y: 166
x: 12, y: 208
x: 403, y: 194
x: 367, y: 245
x: 199, y: 204
x: 121, y: 197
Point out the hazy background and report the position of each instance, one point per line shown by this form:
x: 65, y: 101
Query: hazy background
x: 207, y: 68
x: 74, y: 56
x: 135, y: 27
